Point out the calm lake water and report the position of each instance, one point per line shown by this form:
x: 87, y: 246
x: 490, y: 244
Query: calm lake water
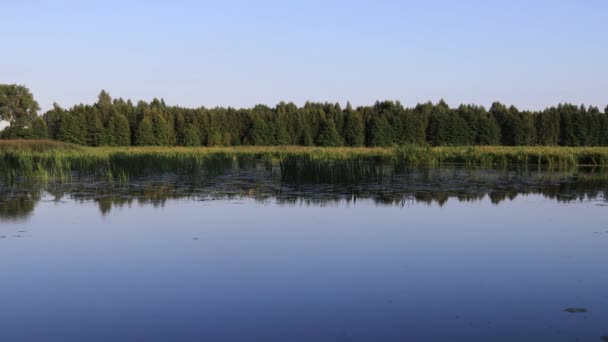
x: 429, y: 254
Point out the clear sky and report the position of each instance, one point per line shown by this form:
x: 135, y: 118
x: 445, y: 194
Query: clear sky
x: 240, y: 53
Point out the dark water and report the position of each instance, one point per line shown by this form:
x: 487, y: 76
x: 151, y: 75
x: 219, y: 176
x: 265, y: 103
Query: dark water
x: 427, y: 255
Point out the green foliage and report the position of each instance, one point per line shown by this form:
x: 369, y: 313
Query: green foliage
x: 442, y: 125
x: 39, y: 129
x: 380, y: 132
x: 328, y: 134
x: 145, y: 133
x: 180, y: 128
x: 104, y: 106
x: 281, y: 133
x: 17, y: 105
x: 52, y: 119
x: 120, y: 123
x: 354, y: 130
x: 191, y: 136
x: 71, y: 127
x: 17, y: 132
x: 548, y: 127
x: 488, y: 131
x: 49, y: 159
x: 414, y: 124
x: 118, y: 130
x: 95, y: 132
x: 262, y: 133
x: 307, y: 138
x: 160, y: 129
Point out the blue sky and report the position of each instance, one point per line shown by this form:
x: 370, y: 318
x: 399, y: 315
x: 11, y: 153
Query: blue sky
x: 239, y: 53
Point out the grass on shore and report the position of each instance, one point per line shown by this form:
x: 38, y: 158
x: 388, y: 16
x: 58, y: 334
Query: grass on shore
x: 49, y: 159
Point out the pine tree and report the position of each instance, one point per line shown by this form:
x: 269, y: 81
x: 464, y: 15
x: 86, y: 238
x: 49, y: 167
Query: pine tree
x: 354, y: 130
x: 280, y: 132
x: 594, y: 124
x: 52, y: 119
x: 528, y: 136
x: 118, y: 122
x: 380, y: 132
x: 180, y: 128
x: 39, y: 129
x: 438, y: 129
x: 104, y: 105
x: 262, y: 133
x: 488, y: 131
x: 95, y: 132
x: 568, y: 125
x: 191, y: 136
x: 160, y: 129
x: 328, y: 134
x: 71, y: 128
x: 548, y: 127
x: 603, y: 139
x: 145, y: 133
x: 118, y: 130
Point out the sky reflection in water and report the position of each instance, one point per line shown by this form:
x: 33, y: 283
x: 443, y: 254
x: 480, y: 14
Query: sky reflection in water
x: 267, y: 261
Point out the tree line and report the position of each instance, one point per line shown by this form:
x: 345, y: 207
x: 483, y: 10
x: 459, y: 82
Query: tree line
x: 116, y: 122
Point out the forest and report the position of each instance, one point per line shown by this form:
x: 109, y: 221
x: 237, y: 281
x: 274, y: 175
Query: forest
x: 118, y: 122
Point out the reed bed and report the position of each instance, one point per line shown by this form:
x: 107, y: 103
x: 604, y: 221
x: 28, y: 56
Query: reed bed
x: 55, y: 160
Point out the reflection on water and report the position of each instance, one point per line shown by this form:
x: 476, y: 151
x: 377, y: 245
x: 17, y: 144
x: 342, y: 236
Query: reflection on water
x: 416, y: 185
x: 247, y: 254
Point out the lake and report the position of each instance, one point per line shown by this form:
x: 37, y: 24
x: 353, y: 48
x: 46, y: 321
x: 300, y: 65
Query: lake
x: 424, y: 254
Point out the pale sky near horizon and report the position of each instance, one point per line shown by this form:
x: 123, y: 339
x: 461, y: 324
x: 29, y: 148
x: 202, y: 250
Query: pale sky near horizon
x: 531, y: 54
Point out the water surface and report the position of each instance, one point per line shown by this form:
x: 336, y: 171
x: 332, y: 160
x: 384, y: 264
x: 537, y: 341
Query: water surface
x: 434, y: 254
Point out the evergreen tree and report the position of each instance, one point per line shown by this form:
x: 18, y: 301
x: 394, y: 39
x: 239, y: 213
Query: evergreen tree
x: 603, y: 137
x: 145, y: 133
x: 95, y: 132
x: 262, y: 133
x: 458, y: 132
x: 469, y: 118
x: 161, y: 130
x: 594, y: 123
x: 288, y: 115
x: 568, y: 125
x: 306, y: 138
x: 118, y: 130
x: 527, y: 123
x: 118, y: 122
x: 52, y: 119
x: 39, y: 129
x: 415, y: 124
x: 439, y: 126
x: 328, y: 134
x: 354, y: 130
x: 380, y: 132
x: 191, y: 136
x: 104, y: 106
x: 180, y: 128
x: 281, y: 133
x: 580, y: 125
x: 71, y: 128
x: 548, y: 127
x: 488, y: 131
x: 504, y: 120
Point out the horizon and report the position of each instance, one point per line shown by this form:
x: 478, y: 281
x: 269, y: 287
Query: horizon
x: 240, y: 54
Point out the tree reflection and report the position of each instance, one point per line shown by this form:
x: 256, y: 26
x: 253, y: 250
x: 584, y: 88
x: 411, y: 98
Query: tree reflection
x: 407, y: 187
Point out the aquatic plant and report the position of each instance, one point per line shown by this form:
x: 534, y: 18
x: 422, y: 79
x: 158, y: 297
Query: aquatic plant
x: 576, y: 310
x: 46, y: 160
